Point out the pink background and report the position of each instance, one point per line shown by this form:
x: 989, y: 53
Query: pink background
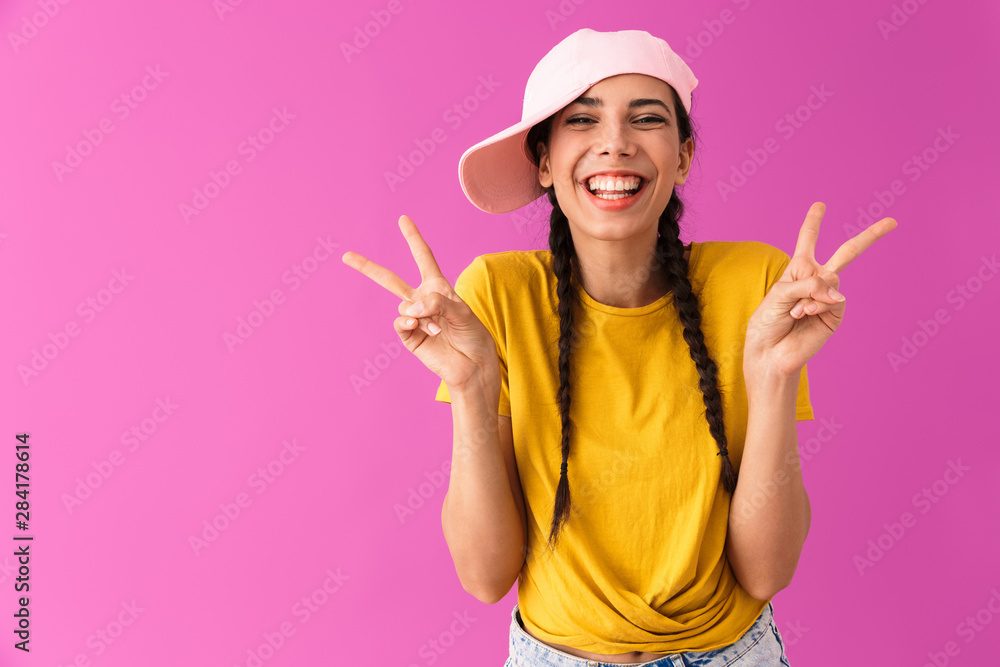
x: 361, y: 449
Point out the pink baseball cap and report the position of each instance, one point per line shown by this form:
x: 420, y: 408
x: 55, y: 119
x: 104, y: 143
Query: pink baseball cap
x: 496, y: 174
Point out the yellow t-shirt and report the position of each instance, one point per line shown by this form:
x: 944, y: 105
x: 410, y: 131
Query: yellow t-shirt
x: 640, y: 564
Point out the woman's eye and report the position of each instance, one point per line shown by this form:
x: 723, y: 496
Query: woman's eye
x: 645, y: 120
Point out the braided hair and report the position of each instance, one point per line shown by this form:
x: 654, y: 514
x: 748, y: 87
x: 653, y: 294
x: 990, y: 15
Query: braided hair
x: 670, y: 253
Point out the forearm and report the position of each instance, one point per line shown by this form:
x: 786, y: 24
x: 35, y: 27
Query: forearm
x: 481, y: 523
x: 769, y: 514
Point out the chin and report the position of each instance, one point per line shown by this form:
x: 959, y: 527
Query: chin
x: 611, y: 229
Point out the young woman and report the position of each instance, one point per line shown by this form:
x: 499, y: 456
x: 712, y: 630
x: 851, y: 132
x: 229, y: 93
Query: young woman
x: 654, y: 371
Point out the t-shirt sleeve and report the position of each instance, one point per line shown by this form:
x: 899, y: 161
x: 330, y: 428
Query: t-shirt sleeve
x: 803, y: 406
x: 475, y: 288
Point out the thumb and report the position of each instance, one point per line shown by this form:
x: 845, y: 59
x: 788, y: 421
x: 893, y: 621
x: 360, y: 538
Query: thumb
x: 807, y: 296
x: 428, y: 308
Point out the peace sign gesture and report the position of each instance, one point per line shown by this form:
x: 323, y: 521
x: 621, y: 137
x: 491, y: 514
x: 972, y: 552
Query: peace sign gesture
x: 443, y: 332
x: 803, y: 309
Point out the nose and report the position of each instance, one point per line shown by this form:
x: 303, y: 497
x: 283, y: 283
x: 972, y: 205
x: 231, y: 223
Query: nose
x: 615, y: 139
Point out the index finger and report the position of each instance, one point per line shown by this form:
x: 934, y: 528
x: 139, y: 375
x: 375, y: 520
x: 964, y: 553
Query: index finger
x: 853, y: 247
x: 379, y: 274
x: 419, y: 249
x: 809, y: 232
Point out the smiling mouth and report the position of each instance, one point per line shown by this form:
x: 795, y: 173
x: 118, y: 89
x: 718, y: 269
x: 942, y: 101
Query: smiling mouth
x: 609, y: 190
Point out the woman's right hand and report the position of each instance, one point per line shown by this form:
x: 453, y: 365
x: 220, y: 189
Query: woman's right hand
x: 446, y: 335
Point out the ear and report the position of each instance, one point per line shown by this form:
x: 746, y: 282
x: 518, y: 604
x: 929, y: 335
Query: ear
x: 684, y: 167
x: 544, y: 166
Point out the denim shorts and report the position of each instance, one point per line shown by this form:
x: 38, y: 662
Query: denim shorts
x: 761, y: 645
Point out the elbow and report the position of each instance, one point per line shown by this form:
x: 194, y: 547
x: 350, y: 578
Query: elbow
x: 483, y: 581
x: 487, y: 582
x: 486, y: 574
x: 486, y: 593
x: 758, y: 583
x: 761, y: 593
x: 490, y: 599
x: 757, y: 592
x: 765, y: 590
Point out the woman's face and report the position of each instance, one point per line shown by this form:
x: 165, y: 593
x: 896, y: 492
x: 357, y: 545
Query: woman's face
x: 623, y: 127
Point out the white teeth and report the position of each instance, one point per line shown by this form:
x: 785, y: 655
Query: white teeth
x: 614, y: 184
x: 628, y: 185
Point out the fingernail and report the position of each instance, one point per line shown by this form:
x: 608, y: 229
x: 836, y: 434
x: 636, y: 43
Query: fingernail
x: 835, y: 295
x: 797, y: 310
x: 415, y: 309
x: 433, y: 328
x: 410, y: 321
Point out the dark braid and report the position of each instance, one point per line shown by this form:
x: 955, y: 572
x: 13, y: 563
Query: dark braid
x: 686, y: 303
x: 563, y: 257
x: 670, y: 252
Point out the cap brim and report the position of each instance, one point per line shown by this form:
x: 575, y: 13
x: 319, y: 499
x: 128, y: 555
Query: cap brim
x: 496, y: 174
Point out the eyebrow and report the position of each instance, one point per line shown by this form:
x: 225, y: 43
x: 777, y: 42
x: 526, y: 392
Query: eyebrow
x: 641, y: 102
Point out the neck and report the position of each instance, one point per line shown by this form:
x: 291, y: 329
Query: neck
x: 621, y: 275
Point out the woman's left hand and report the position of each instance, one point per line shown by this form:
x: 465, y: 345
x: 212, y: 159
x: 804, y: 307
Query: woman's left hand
x: 799, y: 314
